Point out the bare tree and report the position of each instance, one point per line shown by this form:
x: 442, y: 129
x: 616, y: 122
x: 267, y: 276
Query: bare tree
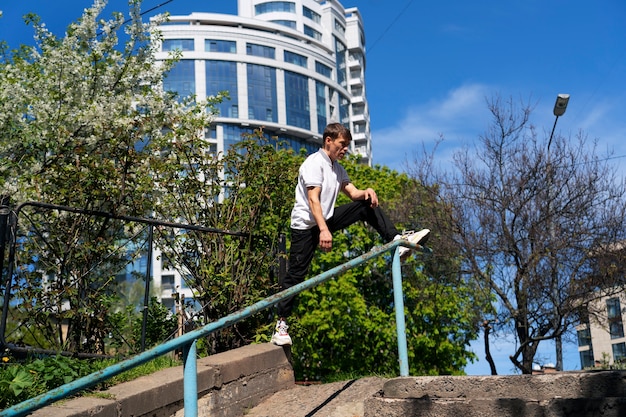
x: 528, y: 216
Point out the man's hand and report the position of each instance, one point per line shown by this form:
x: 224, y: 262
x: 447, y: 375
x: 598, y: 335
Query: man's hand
x: 371, y: 194
x: 326, y: 240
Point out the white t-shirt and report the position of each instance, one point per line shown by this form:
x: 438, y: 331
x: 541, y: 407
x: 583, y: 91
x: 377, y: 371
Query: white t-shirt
x: 317, y: 171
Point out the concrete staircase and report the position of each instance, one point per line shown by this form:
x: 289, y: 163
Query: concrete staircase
x: 258, y: 381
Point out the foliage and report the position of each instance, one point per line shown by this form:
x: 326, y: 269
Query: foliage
x: 249, y: 191
x: 161, y: 325
x: 36, y: 376
x: 81, y: 120
x: 14, y: 385
x: 348, y: 324
x: 39, y: 376
x: 529, y: 217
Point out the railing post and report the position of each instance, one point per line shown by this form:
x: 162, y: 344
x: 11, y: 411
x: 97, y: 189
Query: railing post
x: 5, y: 285
x: 190, y: 376
x: 146, y: 294
x: 398, y: 300
x: 4, y: 221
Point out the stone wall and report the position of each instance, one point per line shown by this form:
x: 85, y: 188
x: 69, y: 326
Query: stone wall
x: 571, y: 394
x: 229, y: 383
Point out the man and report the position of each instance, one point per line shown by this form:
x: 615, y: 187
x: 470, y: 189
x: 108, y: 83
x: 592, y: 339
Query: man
x: 314, y: 216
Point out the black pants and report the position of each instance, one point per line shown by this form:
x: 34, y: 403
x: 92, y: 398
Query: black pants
x: 304, y: 242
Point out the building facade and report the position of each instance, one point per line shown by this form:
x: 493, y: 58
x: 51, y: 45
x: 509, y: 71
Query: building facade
x: 290, y: 67
x: 601, y: 339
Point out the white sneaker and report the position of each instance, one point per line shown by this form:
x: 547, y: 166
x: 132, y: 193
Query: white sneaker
x: 280, y: 336
x: 417, y: 238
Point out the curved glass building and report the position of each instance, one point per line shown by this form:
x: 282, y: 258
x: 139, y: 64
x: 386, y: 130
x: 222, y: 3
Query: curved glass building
x: 290, y: 67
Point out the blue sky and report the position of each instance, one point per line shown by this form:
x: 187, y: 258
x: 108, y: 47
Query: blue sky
x: 431, y: 66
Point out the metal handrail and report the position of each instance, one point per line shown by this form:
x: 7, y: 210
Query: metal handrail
x: 187, y: 342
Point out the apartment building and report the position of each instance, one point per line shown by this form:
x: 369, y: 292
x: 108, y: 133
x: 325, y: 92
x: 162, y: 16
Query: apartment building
x: 601, y: 338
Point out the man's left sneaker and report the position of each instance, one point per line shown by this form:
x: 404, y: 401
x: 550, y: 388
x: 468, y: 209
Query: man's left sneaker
x: 280, y: 336
x: 417, y: 238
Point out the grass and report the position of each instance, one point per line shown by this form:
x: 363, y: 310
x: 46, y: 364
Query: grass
x: 161, y: 362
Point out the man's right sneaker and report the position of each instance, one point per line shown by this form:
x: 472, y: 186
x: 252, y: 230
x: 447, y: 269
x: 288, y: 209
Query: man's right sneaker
x: 280, y: 336
x: 417, y: 238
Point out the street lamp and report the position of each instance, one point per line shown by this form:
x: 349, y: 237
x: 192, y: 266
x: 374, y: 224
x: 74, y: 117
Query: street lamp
x: 559, y: 110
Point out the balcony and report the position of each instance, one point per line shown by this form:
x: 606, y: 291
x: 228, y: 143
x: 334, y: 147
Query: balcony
x: 354, y: 64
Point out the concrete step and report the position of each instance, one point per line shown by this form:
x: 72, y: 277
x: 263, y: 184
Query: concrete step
x: 500, y: 407
x: 337, y: 399
x: 571, y: 394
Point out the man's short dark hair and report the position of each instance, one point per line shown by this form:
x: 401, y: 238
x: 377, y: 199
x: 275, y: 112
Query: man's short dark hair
x: 336, y: 130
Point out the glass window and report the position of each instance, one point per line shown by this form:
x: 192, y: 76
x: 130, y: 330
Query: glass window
x: 586, y: 358
x: 316, y: 17
x: 309, y: 31
x: 344, y: 109
x: 212, y: 45
x: 297, y: 100
x: 166, y: 263
x: 616, y: 329
x: 262, y: 102
x: 185, y: 280
x: 293, y: 58
x: 181, y: 78
x: 339, y: 27
x: 357, y: 56
x: 320, y: 93
x: 167, y: 282
x: 261, y: 50
x: 619, y: 352
x: 340, y: 52
x: 177, y: 44
x: 222, y: 76
x: 232, y: 135
x: 275, y: 6
x: 210, y: 132
x: 323, y: 69
x: 614, y: 314
x: 613, y: 308
x: 169, y: 304
x: 286, y: 141
x: 359, y: 128
x: 289, y: 23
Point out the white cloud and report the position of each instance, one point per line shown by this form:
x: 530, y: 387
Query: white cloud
x: 459, y: 117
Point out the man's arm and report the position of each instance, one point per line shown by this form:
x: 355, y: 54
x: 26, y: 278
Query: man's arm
x: 355, y: 194
x: 326, y: 238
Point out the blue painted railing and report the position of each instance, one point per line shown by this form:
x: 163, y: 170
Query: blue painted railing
x: 187, y: 342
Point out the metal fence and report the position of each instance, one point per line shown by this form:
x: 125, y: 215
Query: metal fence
x: 9, y: 226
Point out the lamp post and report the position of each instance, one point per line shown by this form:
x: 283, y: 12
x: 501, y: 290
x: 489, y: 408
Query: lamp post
x: 559, y: 110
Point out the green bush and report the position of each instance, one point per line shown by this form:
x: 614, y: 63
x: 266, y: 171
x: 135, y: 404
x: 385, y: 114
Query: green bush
x: 21, y: 381
x: 15, y: 384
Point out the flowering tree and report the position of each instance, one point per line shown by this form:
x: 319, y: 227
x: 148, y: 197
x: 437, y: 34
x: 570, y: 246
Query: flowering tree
x: 82, y: 119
